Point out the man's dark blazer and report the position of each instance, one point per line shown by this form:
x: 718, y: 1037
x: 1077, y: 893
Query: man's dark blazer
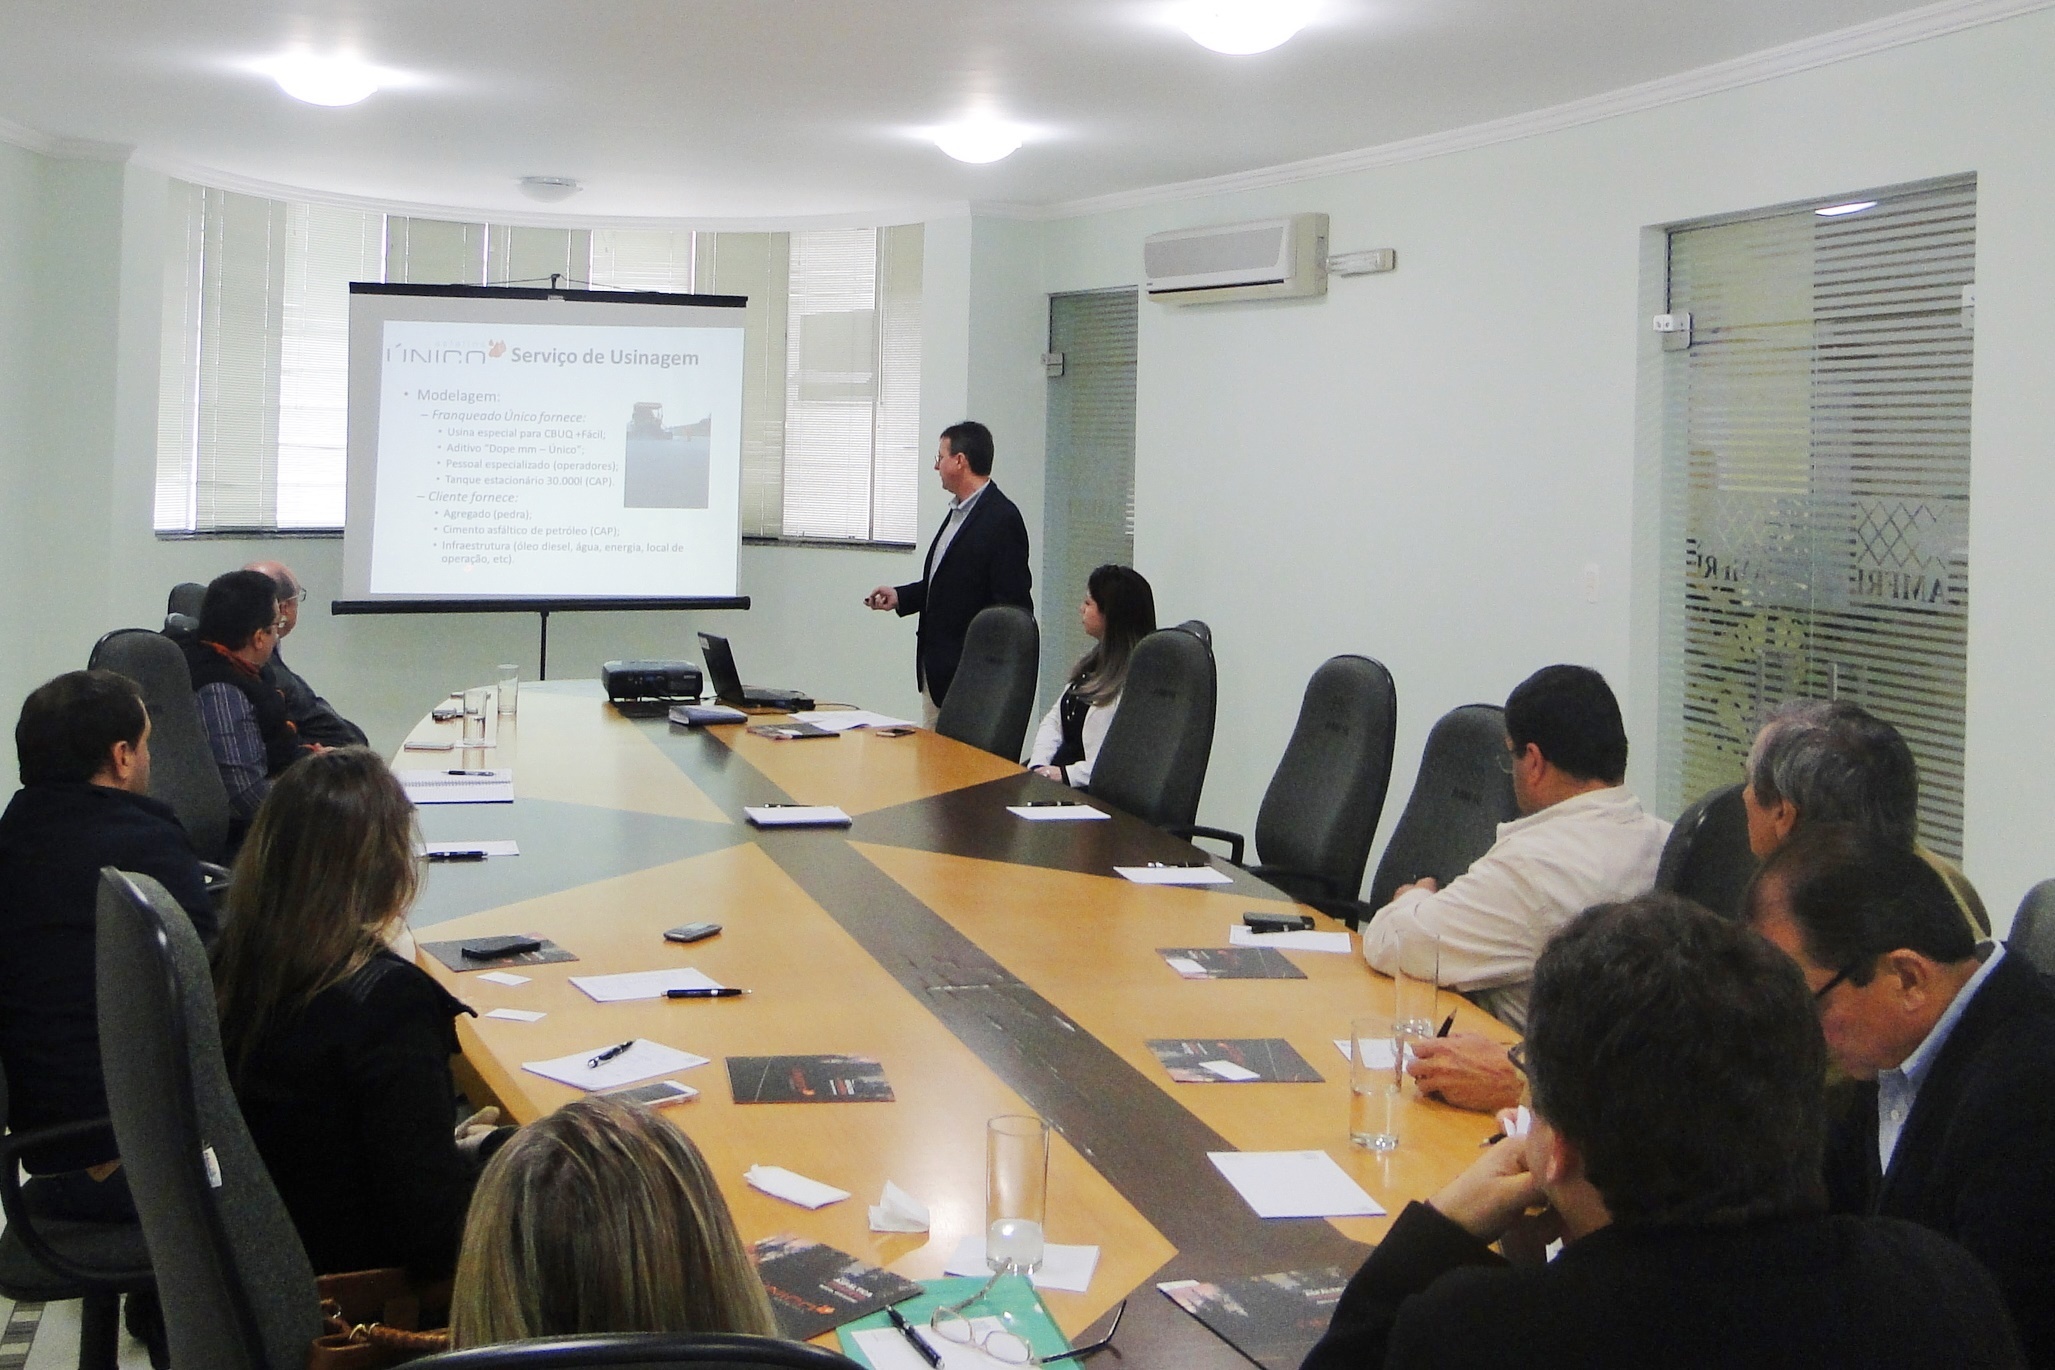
x: 1975, y: 1161
x: 1805, y: 1292
x: 314, y: 716
x: 987, y: 564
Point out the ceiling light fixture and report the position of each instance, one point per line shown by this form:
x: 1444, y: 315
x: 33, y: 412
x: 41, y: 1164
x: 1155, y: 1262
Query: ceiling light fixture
x: 978, y: 140
x: 549, y: 189
x: 1241, y: 27
x: 1852, y: 207
x: 323, y: 80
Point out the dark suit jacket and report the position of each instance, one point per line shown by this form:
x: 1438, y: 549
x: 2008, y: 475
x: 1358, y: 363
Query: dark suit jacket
x: 1976, y: 1159
x: 987, y: 564
x: 1806, y: 1292
x: 314, y: 716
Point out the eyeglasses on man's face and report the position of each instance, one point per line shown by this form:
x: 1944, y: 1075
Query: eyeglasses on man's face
x: 1819, y: 996
x: 1506, y: 756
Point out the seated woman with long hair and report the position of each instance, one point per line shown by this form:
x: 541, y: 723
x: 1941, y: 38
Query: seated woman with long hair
x: 602, y: 1217
x: 338, y: 1049
x: 1119, y: 610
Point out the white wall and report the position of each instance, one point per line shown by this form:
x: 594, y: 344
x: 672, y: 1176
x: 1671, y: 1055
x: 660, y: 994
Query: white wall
x: 1419, y: 466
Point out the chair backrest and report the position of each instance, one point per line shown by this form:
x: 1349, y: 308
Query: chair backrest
x: 1321, y: 811
x: 1459, y: 798
x: 183, y: 773
x: 2033, y: 928
x: 185, y: 598
x: 624, y: 1351
x: 992, y: 694
x: 234, y: 1280
x: 1706, y: 858
x: 1153, y: 761
x: 1198, y: 628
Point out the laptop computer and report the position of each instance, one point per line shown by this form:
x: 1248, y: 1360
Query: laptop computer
x: 728, y: 686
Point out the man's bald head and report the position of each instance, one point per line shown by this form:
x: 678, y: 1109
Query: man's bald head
x: 289, y: 592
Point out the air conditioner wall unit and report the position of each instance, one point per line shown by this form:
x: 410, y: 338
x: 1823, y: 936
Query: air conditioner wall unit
x: 1266, y: 259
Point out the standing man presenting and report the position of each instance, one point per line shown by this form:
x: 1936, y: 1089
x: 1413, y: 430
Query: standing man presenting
x: 979, y: 558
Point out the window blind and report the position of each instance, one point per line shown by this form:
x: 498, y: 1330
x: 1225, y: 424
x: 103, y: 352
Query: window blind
x: 756, y: 265
x: 326, y: 249
x: 1816, y: 450
x: 1089, y: 507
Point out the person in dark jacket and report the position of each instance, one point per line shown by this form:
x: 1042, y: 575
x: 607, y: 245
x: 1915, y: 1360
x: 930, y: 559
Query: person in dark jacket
x: 1951, y: 1043
x: 315, y: 719
x: 338, y: 1049
x: 1677, y: 1126
x: 248, y: 728
x: 83, y: 748
x: 979, y: 558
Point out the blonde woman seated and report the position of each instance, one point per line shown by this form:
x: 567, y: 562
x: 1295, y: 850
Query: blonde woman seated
x: 1119, y: 610
x: 602, y: 1218
x: 338, y: 1049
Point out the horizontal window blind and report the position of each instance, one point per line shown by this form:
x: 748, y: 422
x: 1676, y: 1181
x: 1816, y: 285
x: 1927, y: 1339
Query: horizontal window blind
x: 1816, y: 437
x: 1090, y: 501
x: 253, y: 389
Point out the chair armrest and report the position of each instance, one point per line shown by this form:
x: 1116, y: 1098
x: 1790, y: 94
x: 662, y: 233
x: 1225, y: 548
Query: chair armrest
x: 1233, y: 839
x: 15, y: 1204
x: 1326, y: 886
x: 215, y: 876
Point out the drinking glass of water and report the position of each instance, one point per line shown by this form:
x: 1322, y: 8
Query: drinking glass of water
x: 1377, y: 1076
x: 1016, y: 1191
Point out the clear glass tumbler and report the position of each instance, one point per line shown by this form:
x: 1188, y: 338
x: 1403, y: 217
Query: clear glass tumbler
x: 1416, y: 985
x: 509, y: 689
x: 1377, y: 1077
x: 475, y: 703
x: 1016, y: 1191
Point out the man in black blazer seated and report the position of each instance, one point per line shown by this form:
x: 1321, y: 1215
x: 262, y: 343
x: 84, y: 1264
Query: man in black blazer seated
x: 1676, y: 1061
x: 978, y: 558
x: 1952, y: 1046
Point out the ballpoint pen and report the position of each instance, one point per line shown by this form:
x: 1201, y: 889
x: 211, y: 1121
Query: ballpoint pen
x: 467, y: 772
x: 1178, y: 865
x: 609, y: 1054
x: 927, y: 1352
x: 1446, y: 1024
x: 724, y: 992
x: 456, y: 856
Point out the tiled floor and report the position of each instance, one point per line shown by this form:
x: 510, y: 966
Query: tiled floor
x: 45, y: 1337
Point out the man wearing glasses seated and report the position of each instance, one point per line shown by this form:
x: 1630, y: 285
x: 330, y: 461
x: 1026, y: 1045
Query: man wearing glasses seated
x: 1675, y: 1060
x: 314, y: 717
x: 1951, y: 1043
x: 248, y: 730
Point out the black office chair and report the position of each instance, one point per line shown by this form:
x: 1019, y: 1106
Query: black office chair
x: 50, y: 1260
x: 1706, y: 858
x: 182, y: 609
x: 1459, y: 798
x: 235, y: 1283
x: 1198, y: 628
x: 183, y: 772
x: 2033, y: 928
x: 1153, y: 761
x: 1320, y: 813
x: 992, y: 695
x: 627, y: 1350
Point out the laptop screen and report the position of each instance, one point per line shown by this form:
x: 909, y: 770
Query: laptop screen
x: 720, y: 666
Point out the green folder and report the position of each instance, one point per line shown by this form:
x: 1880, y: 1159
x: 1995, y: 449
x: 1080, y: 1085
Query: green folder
x: 1013, y: 1297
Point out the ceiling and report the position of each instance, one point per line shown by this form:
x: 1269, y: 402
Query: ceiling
x: 757, y: 109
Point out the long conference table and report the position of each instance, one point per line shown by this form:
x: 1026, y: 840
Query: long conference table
x: 993, y: 965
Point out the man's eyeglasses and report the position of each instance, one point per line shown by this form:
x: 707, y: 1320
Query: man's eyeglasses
x: 1517, y: 1054
x: 1819, y: 995
x: 1001, y: 1343
x: 1505, y: 758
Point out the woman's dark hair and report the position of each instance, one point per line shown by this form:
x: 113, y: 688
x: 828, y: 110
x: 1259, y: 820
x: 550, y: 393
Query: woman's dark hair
x: 68, y: 726
x: 1680, y: 1052
x: 326, y: 871
x: 1128, y: 606
x: 1570, y: 713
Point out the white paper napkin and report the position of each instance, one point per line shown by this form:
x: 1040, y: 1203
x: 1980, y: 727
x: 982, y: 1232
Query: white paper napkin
x: 1063, y: 1267
x: 517, y: 1015
x: 500, y: 977
x: 898, y: 1211
x: 781, y: 1183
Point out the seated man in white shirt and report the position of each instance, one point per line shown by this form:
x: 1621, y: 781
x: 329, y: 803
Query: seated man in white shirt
x: 1582, y: 839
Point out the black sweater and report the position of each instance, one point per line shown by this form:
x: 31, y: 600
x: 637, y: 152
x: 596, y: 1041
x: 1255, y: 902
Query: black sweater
x: 352, y: 1107
x: 53, y: 841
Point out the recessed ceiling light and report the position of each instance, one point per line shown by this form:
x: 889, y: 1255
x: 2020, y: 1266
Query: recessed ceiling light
x: 978, y: 140
x: 1852, y: 207
x: 1240, y: 27
x: 549, y: 189
x: 323, y: 80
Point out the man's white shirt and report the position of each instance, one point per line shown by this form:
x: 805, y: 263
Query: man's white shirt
x: 1544, y: 870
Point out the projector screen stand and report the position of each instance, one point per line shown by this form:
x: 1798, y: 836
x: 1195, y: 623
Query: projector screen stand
x: 543, y: 607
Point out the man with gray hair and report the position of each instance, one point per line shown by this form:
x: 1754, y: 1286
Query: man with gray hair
x: 316, y: 719
x: 1830, y: 761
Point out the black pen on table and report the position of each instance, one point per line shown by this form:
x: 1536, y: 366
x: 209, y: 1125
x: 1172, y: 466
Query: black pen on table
x: 927, y: 1352
x: 1446, y: 1024
x: 609, y: 1054
x: 467, y: 772
x: 700, y: 992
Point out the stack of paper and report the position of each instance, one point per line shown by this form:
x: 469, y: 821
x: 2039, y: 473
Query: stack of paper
x: 458, y: 786
x: 1294, y: 1184
x: 641, y: 1060
x: 1057, y: 813
x: 641, y: 984
x: 1157, y: 874
x: 1240, y: 935
x: 796, y: 816
x: 1063, y: 1267
x: 843, y: 720
x: 700, y: 715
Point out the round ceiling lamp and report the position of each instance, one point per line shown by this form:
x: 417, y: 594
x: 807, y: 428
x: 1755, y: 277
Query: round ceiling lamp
x: 1241, y: 27
x: 978, y: 140
x: 323, y: 80
x: 549, y: 189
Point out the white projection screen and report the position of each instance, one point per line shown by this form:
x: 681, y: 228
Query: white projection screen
x: 542, y: 449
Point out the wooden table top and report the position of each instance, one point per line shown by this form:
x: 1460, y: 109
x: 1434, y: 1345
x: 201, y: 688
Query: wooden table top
x: 992, y: 965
